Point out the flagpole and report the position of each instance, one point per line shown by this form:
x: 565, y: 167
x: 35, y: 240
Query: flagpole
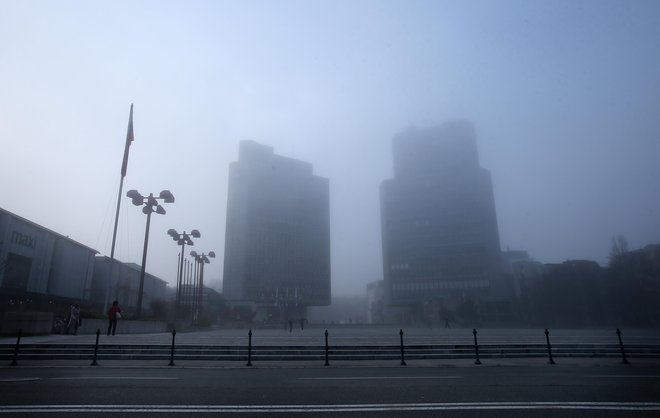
x: 114, y: 233
x: 129, y: 139
x: 124, y: 164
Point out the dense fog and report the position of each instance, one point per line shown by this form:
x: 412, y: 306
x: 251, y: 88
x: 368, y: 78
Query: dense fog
x: 563, y: 96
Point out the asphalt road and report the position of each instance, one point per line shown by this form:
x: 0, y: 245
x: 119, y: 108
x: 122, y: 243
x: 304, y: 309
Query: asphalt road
x: 508, y: 391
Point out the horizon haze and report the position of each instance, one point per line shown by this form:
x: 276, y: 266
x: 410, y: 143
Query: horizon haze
x: 564, y: 97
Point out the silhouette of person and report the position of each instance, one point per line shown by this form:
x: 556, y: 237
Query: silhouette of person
x: 290, y: 325
x: 113, y: 315
x: 302, y: 324
x: 74, y: 319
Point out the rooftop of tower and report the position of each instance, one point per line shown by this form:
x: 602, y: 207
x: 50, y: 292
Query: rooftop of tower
x: 448, y: 146
x: 264, y: 155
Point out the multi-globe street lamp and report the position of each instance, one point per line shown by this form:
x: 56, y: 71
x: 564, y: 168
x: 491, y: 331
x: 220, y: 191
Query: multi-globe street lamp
x: 150, y: 205
x: 181, y: 239
x: 201, y: 259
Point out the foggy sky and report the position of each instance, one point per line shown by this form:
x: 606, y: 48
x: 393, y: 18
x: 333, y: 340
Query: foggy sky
x: 564, y: 95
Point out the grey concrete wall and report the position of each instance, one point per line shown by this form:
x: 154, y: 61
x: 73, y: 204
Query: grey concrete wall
x: 32, y: 323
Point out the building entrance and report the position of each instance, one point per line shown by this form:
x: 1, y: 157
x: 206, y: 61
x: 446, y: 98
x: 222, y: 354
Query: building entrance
x: 16, y: 274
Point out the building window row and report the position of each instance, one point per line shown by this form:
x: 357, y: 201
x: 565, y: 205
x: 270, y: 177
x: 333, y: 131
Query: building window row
x: 461, y: 284
x: 400, y: 266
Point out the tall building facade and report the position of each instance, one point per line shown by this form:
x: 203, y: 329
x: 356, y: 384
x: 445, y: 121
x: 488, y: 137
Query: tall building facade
x: 441, y: 251
x: 277, y: 242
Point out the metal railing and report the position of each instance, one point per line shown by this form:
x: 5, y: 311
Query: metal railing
x: 322, y: 353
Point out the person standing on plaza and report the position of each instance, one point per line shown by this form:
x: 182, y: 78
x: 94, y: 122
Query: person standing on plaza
x: 74, y: 319
x: 113, y: 315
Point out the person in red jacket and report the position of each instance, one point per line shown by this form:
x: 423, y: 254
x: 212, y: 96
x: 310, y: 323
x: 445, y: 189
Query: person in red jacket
x: 113, y: 315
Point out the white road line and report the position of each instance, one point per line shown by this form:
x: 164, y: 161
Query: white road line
x: 23, y: 379
x: 624, y: 377
x: 610, y: 406
x: 378, y: 377
x: 114, y: 378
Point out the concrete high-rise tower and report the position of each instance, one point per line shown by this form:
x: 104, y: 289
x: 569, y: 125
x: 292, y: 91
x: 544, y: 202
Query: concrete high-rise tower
x: 277, y: 243
x: 441, y: 251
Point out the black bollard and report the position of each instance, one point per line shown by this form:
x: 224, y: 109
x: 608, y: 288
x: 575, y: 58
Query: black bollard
x: 476, y: 346
x: 172, y: 351
x: 96, y: 347
x: 403, y: 361
x: 249, y: 362
x: 547, y: 340
x: 624, y: 360
x: 326, y: 348
x: 18, y: 343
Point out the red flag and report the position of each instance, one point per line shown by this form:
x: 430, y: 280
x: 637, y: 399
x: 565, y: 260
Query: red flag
x: 129, y: 139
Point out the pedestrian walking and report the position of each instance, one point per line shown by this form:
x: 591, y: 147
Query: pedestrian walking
x: 114, y: 313
x: 74, y: 319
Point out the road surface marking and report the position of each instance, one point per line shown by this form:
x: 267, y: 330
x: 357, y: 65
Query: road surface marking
x: 378, y: 377
x: 23, y: 379
x: 610, y: 406
x: 114, y: 378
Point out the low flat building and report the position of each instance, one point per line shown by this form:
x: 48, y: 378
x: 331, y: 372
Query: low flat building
x: 42, y: 270
x: 40, y: 266
x: 114, y: 280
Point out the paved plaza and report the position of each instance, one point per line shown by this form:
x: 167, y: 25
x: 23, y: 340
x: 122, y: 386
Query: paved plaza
x: 360, y: 335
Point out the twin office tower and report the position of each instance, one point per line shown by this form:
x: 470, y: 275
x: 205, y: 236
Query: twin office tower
x: 439, y: 230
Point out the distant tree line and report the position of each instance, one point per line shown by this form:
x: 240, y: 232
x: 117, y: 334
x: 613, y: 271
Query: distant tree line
x: 581, y: 293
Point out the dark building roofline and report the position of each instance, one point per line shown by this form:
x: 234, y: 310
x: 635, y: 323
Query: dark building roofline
x: 48, y: 230
x: 133, y: 266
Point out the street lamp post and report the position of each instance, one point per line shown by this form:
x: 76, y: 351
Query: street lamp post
x: 201, y: 259
x: 188, y: 285
x: 182, y: 240
x: 150, y: 205
x: 195, y: 291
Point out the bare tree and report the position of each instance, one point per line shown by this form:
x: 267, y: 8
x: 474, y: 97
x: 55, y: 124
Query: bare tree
x: 619, y: 248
